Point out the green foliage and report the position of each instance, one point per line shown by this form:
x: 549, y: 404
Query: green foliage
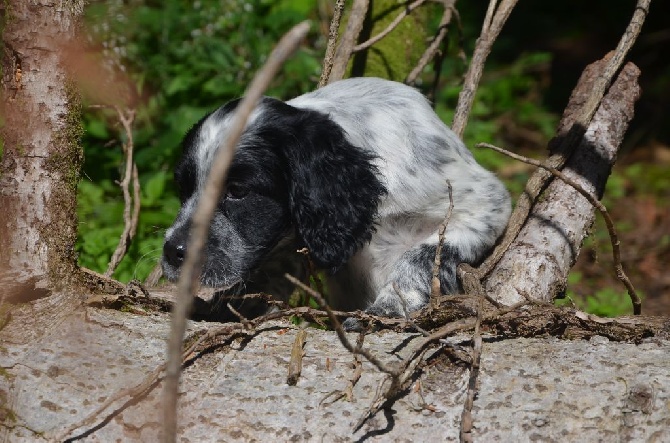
x: 605, y: 302
x: 185, y: 59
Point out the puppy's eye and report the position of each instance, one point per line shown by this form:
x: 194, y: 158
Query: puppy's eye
x: 236, y: 192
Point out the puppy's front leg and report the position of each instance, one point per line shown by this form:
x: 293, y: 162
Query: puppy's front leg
x: 408, y: 286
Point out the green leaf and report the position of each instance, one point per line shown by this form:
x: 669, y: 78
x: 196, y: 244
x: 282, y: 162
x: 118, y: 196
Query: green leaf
x: 153, y: 189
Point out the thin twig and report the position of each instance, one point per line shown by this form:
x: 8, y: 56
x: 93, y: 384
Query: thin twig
x: 348, y: 39
x: 357, y: 366
x: 396, y: 21
x: 614, y: 238
x: 493, y: 24
x: 602, y: 82
x: 394, y: 386
x: 312, y: 271
x: 435, y: 289
x: 202, y: 217
x: 434, y: 46
x: 461, y: 325
x: 333, y: 31
x: 130, y: 219
x: 337, y: 326
x: 241, y: 318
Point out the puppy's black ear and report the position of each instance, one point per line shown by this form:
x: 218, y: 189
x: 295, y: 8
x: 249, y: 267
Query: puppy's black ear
x: 334, y: 190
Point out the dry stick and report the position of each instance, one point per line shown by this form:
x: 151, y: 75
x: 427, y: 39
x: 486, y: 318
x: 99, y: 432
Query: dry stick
x: 435, y: 290
x: 130, y: 174
x: 603, y: 82
x: 614, y: 238
x: 457, y: 326
x: 582, y: 121
x: 203, y: 215
x: 348, y: 392
x: 409, y: 365
x: 333, y: 32
x: 492, y: 26
x: 295, y: 363
x: 466, y: 416
x: 395, y: 385
x: 434, y: 46
x: 411, y: 7
x: 344, y: 50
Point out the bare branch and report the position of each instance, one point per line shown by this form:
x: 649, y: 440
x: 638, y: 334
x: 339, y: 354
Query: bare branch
x: 345, y: 49
x: 357, y: 365
x: 295, y: 363
x: 333, y: 31
x: 154, y: 276
x: 435, y: 290
x: 603, y: 81
x: 188, y: 280
x: 130, y: 176
x: 574, y: 128
x: 590, y: 164
x: 491, y: 28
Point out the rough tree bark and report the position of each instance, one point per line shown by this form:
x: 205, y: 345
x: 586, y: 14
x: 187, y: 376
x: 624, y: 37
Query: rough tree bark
x: 41, y: 154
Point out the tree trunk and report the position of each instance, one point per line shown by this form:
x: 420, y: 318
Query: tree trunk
x: 537, y: 263
x: 41, y: 155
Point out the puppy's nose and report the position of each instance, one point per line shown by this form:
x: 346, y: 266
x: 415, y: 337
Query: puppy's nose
x: 174, y: 252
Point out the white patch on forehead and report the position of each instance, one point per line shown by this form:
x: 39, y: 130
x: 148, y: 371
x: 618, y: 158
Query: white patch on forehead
x: 211, y: 135
x: 185, y: 214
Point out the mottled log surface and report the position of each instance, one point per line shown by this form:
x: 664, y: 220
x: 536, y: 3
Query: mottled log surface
x: 236, y: 390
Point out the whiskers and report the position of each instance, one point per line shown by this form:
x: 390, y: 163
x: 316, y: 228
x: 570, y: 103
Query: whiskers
x: 148, y: 261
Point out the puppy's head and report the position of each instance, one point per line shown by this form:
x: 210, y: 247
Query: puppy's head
x: 294, y: 174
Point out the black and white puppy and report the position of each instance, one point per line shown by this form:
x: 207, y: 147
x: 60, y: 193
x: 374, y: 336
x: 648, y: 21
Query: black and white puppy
x: 357, y: 173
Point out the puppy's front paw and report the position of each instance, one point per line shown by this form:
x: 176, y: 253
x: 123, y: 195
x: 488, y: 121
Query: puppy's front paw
x: 352, y: 325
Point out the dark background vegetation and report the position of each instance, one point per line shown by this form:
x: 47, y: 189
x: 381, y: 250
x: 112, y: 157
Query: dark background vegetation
x: 185, y: 58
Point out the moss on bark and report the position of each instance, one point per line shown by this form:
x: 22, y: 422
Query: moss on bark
x: 397, y: 54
